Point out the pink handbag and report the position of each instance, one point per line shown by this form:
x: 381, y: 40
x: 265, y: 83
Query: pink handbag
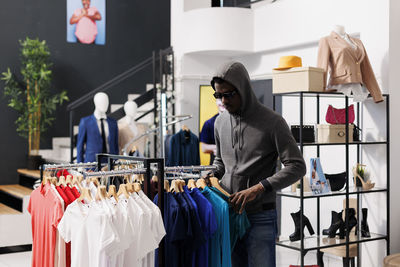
x: 338, y: 116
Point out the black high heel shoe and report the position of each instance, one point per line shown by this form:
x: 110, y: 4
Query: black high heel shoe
x: 336, y: 222
x: 364, y: 225
x: 352, y: 220
x: 296, y: 219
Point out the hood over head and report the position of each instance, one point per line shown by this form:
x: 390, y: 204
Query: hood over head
x: 236, y: 74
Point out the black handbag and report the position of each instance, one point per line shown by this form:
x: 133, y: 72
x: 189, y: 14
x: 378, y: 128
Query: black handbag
x: 336, y: 181
x: 308, y: 133
x: 356, y: 133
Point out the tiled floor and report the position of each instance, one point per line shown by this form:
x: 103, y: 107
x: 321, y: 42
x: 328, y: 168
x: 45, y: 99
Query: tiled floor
x: 285, y: 257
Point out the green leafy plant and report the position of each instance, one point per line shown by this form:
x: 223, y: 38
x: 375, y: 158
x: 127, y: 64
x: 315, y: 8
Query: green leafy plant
x: 31, y: 96
x: 361, y: 170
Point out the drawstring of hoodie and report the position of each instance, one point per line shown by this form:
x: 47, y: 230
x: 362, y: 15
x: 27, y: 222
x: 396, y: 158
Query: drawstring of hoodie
x: 240, y: 137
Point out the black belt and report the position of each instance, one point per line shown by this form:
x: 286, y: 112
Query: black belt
x: 269, y: 206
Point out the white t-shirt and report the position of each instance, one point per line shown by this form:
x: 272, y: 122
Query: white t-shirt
x: 157, y: 227
x: 144, y: 241
x: 90, y: 232
x: 125, y: 232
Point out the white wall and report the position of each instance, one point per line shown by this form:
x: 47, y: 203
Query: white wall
x: 294, y: 27
x: 394, y: 81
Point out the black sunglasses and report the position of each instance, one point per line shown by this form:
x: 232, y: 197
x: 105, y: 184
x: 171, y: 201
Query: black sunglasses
x: 226, y: 95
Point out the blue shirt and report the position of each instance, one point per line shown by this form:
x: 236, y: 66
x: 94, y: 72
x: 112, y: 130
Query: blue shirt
x: 198, y: 238
x: 175, y: 234
x: 208, y: 224
x: 184, y: 149
x: 207, y: 132
x: 220, y: 247
x: 238, y: 223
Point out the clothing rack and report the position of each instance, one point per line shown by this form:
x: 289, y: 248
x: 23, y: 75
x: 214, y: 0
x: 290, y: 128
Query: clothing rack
x: 190, y: 168
x: 114, y: 173
x: 180, y: 119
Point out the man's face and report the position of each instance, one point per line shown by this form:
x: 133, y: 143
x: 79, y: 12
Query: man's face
x: 220, y: 106
x: 86, y: 4
x: 232, y: 103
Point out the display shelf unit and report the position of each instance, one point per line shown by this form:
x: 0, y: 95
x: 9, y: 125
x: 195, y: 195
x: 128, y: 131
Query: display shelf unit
x: 319, y: 242
x: 352, y: 191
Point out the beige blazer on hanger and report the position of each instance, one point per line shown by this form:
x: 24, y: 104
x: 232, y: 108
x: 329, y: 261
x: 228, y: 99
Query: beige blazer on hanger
x: 346, y: 64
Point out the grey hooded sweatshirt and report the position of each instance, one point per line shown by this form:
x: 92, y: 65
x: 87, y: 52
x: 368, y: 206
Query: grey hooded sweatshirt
x: 249, y: 144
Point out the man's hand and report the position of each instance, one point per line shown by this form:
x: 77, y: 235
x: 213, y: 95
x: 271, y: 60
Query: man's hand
x: 241, y: 198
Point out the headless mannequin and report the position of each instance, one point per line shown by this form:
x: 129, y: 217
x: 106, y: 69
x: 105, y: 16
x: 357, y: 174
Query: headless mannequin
x: 92, y: 130
x: 360, y: 93
x: 130, y: 108
x: 129, y: 129
x: 101, y: 106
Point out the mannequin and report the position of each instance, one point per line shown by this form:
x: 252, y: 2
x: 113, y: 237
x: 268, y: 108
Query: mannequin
x: 129, y: 129
x: 91, y: 138
x: 130, y: 108
x: 346, y: 60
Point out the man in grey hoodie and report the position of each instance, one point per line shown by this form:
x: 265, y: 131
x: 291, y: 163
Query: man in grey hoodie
x: 249, y: 138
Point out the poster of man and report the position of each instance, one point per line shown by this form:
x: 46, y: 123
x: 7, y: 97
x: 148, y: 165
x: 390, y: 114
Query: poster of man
x: 86, y: 21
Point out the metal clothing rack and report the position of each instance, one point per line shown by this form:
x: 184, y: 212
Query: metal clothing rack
x: 44, y: 167
x: 190, y: 168
x: 181, y: 118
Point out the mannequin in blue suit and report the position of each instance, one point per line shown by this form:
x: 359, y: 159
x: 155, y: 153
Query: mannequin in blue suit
x: 90, y: 132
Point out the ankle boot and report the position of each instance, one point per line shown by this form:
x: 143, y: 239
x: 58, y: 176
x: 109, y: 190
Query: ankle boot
x: 336, y: 222
x: 296, y: 219
x: 364, y: 224
x: 352, y: 219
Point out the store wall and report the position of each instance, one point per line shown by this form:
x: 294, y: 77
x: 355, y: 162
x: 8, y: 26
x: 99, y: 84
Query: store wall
x: 134, y: 29
x: 394, y: 81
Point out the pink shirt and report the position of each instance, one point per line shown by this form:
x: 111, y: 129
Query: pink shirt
x: 46, y: 212
x: 86, y: 29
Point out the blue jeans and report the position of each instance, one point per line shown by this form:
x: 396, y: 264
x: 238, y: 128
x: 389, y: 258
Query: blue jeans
x: 257, y: 247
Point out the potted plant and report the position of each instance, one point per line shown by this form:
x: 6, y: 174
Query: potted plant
x: 30, y: 95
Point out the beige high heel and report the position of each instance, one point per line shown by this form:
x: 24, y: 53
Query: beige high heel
x: 365, y: 185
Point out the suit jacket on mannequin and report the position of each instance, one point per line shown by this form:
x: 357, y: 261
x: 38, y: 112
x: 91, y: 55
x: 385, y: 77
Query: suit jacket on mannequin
x: 346, y: 64
x: 90, y: 135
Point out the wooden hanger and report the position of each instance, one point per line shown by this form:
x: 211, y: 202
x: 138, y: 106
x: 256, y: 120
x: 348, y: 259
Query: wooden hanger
x: 174, y: 187
x: 53, y: 180
x: 137, y: 187
x: 166, y: 186
x: 191, y: 184
x: 61, y: 181
x: 133, y: 150
x: 181, y: 184
x: 130, y: 188
x: 201, y: 183
x: 123, y: 191
x: 185, y: 128
x: 112, y: 192
x: 85, y: 195
x: 101, y: 193
x: 75, y: 181
x: 95, y: 181
x: 68, y: 180
x: 215, y: 183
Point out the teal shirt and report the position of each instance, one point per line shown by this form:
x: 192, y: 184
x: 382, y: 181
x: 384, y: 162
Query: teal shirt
x: 238, y: 223
x: 220, y: 246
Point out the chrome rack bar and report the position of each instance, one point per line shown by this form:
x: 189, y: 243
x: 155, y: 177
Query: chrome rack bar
x: 190, y: 168
x: 68, y: 165
x: 113, y: 173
